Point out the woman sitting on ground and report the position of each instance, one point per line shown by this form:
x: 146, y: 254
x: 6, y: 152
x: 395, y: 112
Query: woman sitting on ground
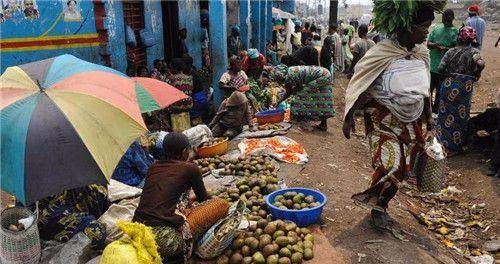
x: 164, y: 204
x: 234, y: 112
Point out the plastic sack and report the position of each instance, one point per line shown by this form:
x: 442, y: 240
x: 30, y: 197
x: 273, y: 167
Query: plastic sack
x: 118, y: 191
x: 198, y: 134
x: 434, y: 149
x: 137, y: 247
x: 124, y: 210
x: 220, y: 235
x: 130, y: 37
x: 147, y: 38
x: 64, y: 253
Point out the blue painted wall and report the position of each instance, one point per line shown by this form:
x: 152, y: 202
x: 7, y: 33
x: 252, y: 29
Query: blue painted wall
x: 51, y: 23
x: 189, y: 18
x: 255, y: 23
x: 269, y: 21
x: 263, y: 27
x: 244, y: 10
x: 154, y: 22
x: 218, y: 45
x: 116, y: 33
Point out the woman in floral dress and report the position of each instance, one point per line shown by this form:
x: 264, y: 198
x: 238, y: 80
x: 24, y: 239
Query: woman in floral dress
x: 312, y: 90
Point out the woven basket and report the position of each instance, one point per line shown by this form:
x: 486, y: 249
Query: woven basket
x: 220, y: 235
x: 430, y: 174
x: 22, y: 247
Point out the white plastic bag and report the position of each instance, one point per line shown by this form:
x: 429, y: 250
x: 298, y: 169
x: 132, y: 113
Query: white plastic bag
x: 434, y: 149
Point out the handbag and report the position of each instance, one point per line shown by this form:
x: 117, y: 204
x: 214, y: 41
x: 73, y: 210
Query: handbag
x: 147, y: 38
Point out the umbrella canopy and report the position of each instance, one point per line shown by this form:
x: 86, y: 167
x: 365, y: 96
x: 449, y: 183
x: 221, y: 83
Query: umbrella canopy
x: 65, y: 123
x: 154, y: 95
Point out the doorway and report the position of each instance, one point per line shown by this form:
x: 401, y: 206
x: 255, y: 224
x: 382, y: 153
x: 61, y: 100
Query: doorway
x: 170, y: 16
x: 133, y: 16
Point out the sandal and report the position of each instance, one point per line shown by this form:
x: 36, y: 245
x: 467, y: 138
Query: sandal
x: 367, y: 203
x: 380, y: 219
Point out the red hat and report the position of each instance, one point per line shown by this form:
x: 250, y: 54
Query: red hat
x: 473, y: 9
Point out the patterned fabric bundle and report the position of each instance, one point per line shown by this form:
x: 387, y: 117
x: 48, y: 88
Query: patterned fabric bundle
x: 73, y: 211
x: 315, y: 100
x: 454, y: 110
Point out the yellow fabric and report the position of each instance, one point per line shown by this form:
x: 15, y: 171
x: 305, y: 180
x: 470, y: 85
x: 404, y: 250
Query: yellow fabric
x: 106, y: 131
x: 138, y: 247
x: 15, y: 77
x: 375, y: 61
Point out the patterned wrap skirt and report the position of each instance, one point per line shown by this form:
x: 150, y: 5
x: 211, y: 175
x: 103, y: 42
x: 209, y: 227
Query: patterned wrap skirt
x: 394, y: 146
x: 454, y: 110
x: 315, y: 100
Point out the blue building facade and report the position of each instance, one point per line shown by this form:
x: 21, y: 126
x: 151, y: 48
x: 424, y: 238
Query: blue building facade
x: 96, y: 30
x: 91, y: 30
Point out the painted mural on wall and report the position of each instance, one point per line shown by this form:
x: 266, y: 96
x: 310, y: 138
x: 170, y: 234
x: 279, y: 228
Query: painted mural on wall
x: 39, y: 29
x: 72, y: 11
x: 19, y: 8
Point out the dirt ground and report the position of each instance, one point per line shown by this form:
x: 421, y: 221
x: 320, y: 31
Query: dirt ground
x: 341, y: 167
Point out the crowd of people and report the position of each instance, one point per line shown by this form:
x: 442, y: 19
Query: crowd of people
x: 391, y: 84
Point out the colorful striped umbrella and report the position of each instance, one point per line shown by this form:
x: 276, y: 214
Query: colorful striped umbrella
x: 65, y: 123
x: 154, y: 95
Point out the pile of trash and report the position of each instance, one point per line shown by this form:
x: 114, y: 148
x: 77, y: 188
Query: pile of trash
x: 457, y: 223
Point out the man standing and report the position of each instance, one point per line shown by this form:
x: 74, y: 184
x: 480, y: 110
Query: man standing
x: 338, y: 55
x: 234, y: 46
x: 360, y: 47
x: 441, y: 39
x: 476, y: 23
x: 296, y: 38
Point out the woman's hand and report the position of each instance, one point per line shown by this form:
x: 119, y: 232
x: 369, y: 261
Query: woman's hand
x: 349, y: 125
x: 431, y: 123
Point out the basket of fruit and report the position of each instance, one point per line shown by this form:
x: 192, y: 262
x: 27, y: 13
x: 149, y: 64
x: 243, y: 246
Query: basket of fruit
x: 270, y: 116
x: 213, y: 147
x: 300, y: 205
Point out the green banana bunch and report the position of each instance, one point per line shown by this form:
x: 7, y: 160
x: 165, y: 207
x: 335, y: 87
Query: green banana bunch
x: 393, y: 15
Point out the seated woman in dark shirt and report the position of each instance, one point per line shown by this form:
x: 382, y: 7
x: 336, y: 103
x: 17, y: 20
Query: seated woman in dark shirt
x: 163, y: 204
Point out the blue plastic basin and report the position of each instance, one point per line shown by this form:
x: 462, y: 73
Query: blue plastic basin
x: 304, y: 217
x: 270, y: 112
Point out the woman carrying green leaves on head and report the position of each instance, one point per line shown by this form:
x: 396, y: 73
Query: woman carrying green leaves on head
x: 391, y: 86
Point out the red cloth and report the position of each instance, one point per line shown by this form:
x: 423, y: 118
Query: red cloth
x: 467, y: 34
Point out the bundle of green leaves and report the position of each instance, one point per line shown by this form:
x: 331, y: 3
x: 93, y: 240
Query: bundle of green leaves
x: 391, y: 16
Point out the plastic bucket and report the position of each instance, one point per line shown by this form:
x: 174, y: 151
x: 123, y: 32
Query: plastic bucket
x: 304, y: 217
x: 270, y: 116
x: 217, y: 149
